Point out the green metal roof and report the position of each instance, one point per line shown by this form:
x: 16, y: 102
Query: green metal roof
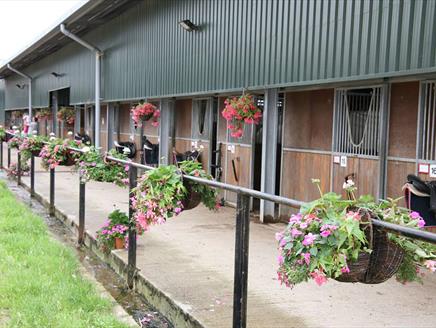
x: 240, y: 44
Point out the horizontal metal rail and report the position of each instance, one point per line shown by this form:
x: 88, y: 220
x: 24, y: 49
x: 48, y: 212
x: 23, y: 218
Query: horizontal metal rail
x: 242, y: 233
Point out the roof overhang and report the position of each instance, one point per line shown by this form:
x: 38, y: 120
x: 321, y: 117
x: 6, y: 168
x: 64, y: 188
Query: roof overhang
x: 87, y: 17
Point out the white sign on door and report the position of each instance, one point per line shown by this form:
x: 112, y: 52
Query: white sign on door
x: 343, y: 161
x: 433, y: 171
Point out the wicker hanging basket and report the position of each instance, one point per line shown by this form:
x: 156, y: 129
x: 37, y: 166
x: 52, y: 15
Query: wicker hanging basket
x: 379, y: 265
x: 192, y: 198
x: 69, y: 160
x: 36, y: 152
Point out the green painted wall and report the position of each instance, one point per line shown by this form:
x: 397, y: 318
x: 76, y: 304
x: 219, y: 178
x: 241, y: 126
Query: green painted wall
x: 242, y: 44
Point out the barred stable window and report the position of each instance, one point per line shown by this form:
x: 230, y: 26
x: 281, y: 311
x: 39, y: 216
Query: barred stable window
x: 357, y: 119
x: 427, y: 122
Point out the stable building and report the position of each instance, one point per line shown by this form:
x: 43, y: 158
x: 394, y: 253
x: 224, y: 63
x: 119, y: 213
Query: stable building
x: 346, y: 87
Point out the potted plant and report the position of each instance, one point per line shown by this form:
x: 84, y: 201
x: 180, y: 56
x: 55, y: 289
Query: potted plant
x: 56, y: 152
x: 43, y: 113
x: 145, y: 112
x: 113, y: 234
x: 160, y: 195
x: 32, y: 145
x: 93, y: 166
x: 67, y: 115
x: 334, y: 238
x: 239, y: 111
x: 12, y: 170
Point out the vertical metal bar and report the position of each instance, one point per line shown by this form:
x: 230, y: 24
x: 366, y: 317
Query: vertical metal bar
x: 432, y: 122
x: 424, y: 125
x: 383, y: 140
x: 19, y: 168
x: 82, y: 188
x: 32, y: 175
x: 131, y: 267
x: 419, y: 128
x: 1, y: 154
x: 428, y: 116
x: 241, y: 261
x: 52, y: 191
x: 9, y: 157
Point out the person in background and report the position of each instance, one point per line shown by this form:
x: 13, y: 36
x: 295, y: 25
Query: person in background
x: 26, y: 123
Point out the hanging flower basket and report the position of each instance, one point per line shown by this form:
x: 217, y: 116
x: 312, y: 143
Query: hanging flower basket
x: 43, y: 113
x: 93, y: 166
x: 382, y: 263
x: 335, y: 238
x: 66, y: 115
x: 14, y: 142
x: 192, y: 198
x: 56, y: 153
x: 145, y: 112
x: 162, y: 193
x: 239, y: 111
x: 32, y: 145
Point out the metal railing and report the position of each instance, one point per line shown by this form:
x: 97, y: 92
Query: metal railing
x: 242, y: 231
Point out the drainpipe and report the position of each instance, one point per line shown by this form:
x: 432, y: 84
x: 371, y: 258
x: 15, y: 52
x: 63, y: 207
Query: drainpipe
x: 30, y: 88
x: 98, y: 53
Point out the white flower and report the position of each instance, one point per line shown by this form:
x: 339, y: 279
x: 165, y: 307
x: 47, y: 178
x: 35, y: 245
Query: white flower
x: 35, y: 132
x: 52, y: 134
x: 349, y: 184
x: 70, y: 133
x: 52, y: 138
x: 14, y: 127
x: 86, y: 149
x: 201, y: 147
x: 126, y: 150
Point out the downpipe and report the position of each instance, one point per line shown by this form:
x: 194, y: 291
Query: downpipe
x: 29, y: 78
x: 98, y: 53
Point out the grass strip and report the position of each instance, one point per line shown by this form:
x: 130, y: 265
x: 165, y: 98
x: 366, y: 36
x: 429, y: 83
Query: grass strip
x: 40, y: 284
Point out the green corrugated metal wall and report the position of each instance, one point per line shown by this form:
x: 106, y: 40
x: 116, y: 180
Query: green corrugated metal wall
x: 243, y: 44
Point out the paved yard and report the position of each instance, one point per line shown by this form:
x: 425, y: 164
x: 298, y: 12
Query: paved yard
x: 191, y: 259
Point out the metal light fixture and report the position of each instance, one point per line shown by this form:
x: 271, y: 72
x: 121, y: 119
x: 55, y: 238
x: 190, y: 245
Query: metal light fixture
x: 20, y: 86
x: 57, y: 74
x: 187, y: 25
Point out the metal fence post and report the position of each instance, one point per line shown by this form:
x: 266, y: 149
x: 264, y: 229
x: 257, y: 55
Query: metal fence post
x: 9, y: 157
x: 133, y: 175
x: 1, y: 154
x: 52, y: 191
x: 32, y: 176
x: 82, y: 185
x: 19, y: 168
x: 241, y: 261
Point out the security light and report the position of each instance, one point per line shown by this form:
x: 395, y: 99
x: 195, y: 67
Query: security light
x: 20, y: 86
x: 57, y: 74
x: 188, y: 25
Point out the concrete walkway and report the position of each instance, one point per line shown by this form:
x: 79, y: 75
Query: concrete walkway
x: 190, y: 258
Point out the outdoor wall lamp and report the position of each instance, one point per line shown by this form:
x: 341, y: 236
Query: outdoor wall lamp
x: 20, y: 86
x: 57, y: 74
x: 187, y: 25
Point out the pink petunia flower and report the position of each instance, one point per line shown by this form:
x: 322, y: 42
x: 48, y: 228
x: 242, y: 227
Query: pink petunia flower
x: 309, y: 239
x: 306, y: 257
x: 326, y: 233
x: 295, y: 232
x: 319, y: 277
x: 431, y: 265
